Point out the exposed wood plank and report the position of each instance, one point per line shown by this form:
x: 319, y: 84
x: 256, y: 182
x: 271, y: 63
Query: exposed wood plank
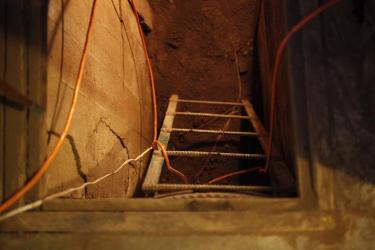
x: 144, y: 204
x: 1, y: 151
x: 2, y: 76
x: 264, y: 56
x: 170, y: 223
x: 280, y: 173
x: 145, y: 242
x: 259, y: 129
x: 269, y: 30
x: 157, y: 160
x: 15, y: 127
x: 36, y: 83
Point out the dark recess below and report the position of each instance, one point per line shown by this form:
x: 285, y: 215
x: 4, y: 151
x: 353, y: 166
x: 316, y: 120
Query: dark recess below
x: 192, y: 55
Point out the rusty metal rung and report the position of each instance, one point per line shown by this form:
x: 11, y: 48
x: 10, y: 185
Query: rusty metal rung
x: 208, y: 115
x: 208, y: 131
x: 217, y: 154
x: 151, y: 182
x: 210, y: 102
x: 173, y: 187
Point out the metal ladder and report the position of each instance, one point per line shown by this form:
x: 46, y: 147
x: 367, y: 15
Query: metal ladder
x: 151, y: 182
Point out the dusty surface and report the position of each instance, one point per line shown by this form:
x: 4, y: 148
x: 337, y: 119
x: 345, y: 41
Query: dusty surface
x: 193, y: 47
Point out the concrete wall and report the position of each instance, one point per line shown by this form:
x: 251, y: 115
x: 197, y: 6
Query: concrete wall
x: 325, y: 103
x: 112, y: 121
x: 113, y: 118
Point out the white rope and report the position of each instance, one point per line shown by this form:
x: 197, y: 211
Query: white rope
x: 40, y: 202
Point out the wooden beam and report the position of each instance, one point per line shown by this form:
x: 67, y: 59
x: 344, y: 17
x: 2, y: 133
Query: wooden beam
x: 15, y: 137
x: 250, y: 203
x: 170, y: 223
x: 157, y: 160
x: 258, y: 127
x: 280, y: 173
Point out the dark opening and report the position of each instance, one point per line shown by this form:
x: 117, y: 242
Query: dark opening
x: 200, y: 51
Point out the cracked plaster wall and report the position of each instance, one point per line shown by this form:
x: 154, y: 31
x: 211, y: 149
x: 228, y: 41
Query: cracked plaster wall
x: 113, y: 117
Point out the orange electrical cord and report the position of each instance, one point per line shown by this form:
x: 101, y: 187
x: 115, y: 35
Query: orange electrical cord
x: 169, y: 166
x: 152, y: 78
x: 217, y: 179
x: 279, y: 54
x: 155, y: 142
x: 47, y: 163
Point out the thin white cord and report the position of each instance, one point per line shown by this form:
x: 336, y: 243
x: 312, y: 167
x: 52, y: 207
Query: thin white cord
x: 40, y: 202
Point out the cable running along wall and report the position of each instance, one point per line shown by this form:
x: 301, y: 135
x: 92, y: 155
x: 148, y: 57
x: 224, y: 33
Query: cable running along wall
x: 155, y: 144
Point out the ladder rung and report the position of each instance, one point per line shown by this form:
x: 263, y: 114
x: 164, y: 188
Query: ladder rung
x: 216, y: 154
x: 192, y: 130
x: 210, y: 102
x: 208, y: 114
x: 173, y: 187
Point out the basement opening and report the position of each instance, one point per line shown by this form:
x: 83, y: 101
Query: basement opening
x: 210, y: 90
x: 230, y: 156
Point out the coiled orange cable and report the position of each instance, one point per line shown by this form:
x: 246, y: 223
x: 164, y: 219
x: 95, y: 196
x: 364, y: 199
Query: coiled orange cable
x: 47, y: 163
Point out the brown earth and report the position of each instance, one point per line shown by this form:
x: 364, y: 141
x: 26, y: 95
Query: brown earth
x: 193, y: 48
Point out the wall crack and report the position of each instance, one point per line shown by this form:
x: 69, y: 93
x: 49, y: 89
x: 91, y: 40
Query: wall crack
x: 123, y: 144
x: 75, y: 152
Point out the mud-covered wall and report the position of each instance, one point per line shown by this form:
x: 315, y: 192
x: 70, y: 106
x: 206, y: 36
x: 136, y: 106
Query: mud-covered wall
x: 112, y: 121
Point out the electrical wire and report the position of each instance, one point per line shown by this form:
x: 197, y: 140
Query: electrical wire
x: 152, y: 77
x: 155, y: 144
x: 279, y: 55
x: 220, y: 178
x: 45, y: 166
x: 234, y: 108
x: 40, y: 202
x: 280, y: 51
x: 47, y: 163
x: 169, y: 166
